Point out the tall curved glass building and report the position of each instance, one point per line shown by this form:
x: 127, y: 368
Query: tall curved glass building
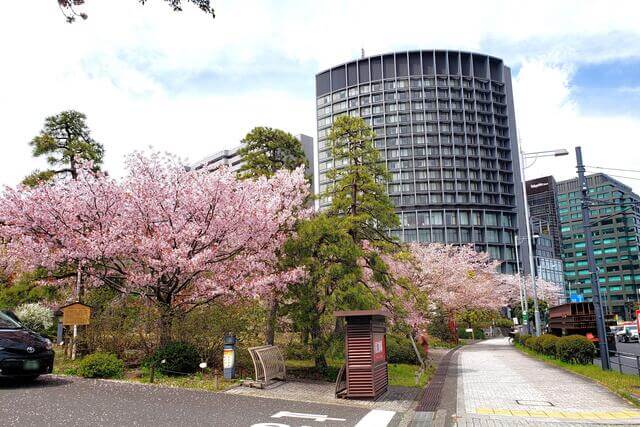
x: 445, y: 126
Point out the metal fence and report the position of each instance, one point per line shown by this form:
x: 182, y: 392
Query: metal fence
x: 627, y: 363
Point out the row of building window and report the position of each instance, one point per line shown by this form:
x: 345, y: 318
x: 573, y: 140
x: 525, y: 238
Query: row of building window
x: 391, y: 97
x: 438, y: 199
x: 428, y: 107
x: 613, y: 250
x: 414, y: 83
x: 610, y: 279
x: 476, y: 218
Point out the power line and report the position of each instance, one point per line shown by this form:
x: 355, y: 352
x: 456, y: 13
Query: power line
x: 618, y: 176
x: 613, y: 169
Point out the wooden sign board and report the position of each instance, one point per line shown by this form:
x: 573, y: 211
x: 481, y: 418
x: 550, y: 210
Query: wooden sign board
x: 76, y: 314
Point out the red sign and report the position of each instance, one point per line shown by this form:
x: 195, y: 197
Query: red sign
x: 379, y: 348
x: 638, y: 319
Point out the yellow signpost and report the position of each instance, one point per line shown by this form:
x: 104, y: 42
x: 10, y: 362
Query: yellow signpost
x: 75, y: 314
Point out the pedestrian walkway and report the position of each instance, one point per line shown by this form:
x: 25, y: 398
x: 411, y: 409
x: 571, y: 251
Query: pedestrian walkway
x: 499, y: 385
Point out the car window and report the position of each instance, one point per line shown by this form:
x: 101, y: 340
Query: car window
x: 7, y: 322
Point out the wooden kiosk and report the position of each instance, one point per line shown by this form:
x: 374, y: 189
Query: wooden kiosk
x: 365, y: 371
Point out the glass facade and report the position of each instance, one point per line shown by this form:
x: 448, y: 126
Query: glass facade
x: 615, y: 231
x: 445, y: 128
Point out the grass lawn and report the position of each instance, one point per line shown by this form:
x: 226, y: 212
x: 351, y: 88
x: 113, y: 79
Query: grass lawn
x: 400, y: 374
x: 64, y: 366
x: 621, y: 384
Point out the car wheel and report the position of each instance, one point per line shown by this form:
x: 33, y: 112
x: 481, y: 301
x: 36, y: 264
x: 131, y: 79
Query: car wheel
x: 29, y: 378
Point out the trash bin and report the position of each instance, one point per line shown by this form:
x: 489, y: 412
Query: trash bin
x: 365, y: 353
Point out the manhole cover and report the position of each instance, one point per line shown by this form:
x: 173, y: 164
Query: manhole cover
x: 534, y: 402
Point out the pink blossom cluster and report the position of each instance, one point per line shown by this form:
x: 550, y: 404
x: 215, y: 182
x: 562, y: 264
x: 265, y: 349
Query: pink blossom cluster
x: 179, y: 237
x: 456, y: 278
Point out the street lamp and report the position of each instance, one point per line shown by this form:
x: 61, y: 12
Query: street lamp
x: 524, y: 304
x: 534, y: 156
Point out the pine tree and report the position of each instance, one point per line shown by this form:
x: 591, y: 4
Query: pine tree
x: 358, y: 192
x: 266, y: 150
x: 65, y: 140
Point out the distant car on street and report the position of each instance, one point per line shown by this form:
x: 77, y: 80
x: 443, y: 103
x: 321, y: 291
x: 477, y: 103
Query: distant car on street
x: 23, y: 353
x: 629, y: 334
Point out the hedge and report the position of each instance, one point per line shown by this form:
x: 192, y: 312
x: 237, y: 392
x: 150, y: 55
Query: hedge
x: 575, y: 349
x: 571, y: 349
x: 547, y: 344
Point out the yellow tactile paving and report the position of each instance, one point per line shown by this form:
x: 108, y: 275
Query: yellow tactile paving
x: 613, y: 415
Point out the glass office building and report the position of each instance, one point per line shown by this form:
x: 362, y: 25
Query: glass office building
x: 445, y: 126
x: 615, y: 227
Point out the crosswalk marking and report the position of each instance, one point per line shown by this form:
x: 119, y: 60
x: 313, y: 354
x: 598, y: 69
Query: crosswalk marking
x: 376, y: 418
x: 314, y: 417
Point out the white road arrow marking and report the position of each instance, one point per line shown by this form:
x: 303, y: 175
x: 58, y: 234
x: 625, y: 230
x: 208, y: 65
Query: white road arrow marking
x: 376, y: 418
x: 314, y: 417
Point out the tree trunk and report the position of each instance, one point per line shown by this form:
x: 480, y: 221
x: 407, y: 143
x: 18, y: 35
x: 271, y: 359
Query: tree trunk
x: 415, y: 348
x: 317, y: 344
x: 79, y: 291
x: 272, y: 321
x: 166, y: 321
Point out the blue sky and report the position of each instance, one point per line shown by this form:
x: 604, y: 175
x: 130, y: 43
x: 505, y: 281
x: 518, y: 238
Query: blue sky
x: 190, y: 85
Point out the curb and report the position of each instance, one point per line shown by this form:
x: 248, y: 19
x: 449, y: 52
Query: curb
x: 427, y: 412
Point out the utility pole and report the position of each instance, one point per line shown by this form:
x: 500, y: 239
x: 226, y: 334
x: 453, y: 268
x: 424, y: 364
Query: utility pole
x: 532, y: 269
x: 523, y: 290
x: 593, y: 269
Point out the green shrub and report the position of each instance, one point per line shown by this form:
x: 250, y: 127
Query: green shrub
x: 477, y: 333
x: 298, y: 351
x: 179, y: 358
x: 575, y: 349
x: 400, y: 350
x: 547, y: 344
x: 531, y: 342
x: 522, y: 338
x: 503, y: 323
x: 101, y: 365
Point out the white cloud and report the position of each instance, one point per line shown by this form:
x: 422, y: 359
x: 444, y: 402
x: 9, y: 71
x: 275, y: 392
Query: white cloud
x: 112, y: 66
x: 548, y: 118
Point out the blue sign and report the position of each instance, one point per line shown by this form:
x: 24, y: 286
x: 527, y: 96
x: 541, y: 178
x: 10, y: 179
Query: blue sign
x: 576, y: 298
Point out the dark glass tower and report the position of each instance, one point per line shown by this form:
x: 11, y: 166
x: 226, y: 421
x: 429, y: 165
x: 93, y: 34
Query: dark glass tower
x: 445, y: 125
x: 615, y: 226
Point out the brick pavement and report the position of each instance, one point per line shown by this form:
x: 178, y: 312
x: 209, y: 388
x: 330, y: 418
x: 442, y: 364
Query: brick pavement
x: 399, y: 399
x: 498, y: 385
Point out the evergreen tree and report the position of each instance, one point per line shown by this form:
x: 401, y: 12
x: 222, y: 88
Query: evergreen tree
x: 65, y: 140
x: 326, y: 251
x: 335, y: 247
x: 266, y: 150
x: 359, y: 190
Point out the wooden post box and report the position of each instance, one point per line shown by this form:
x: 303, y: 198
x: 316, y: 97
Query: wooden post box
x: 365, y: 353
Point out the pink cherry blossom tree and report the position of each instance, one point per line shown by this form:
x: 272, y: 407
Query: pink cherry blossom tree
x: 177, y: 238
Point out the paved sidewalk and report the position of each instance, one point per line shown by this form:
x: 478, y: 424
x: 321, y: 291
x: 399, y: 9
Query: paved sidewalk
x: 499, y: 385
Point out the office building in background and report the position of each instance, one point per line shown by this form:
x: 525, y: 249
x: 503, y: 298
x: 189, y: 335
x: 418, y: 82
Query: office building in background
x: 445, y: 127
x: 615, y: 229
x: 231, y: 157
x: 542, y: 196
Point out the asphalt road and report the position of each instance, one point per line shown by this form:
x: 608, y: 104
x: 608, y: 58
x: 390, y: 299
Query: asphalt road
x: 66, y: 401
x: 627, y: 363
x: 632, y: 348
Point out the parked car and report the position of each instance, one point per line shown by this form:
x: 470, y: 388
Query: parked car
x: 23, y: 353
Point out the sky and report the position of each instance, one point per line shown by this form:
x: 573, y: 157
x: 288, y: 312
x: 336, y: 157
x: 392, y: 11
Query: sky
x: 192, y: 85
